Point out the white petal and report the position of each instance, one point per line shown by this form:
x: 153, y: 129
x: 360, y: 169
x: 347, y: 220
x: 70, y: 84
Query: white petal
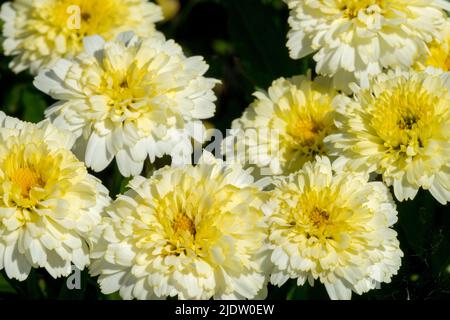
x: 93, y: 44
x: 97, y: 155
x: 127, y: 166
x: 338, y: 291
x: 16, y: 265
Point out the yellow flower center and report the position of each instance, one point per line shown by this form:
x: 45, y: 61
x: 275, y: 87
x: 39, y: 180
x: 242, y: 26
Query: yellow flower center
x: 80, y: 18
x: 319, y: 217
x: 305, y: 134
x: 183, y: 223
x: 183, y: 236
x: 306, y: 131
x: 26, y: 179
x: 307, y: 116
x: 189, y: 220
x: 404, y: 117
x: 130, y: 89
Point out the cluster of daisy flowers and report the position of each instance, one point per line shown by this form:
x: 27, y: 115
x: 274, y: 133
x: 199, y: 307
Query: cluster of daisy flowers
x: 304, y: 190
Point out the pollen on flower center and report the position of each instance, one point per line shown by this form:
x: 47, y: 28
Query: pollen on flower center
x: 85, y: 16
x: 407, y: 122
x: 306, y: 131
x: 124, y: 84
x: 319, y: 217
x: 26, y: 178
x: 183, y: 223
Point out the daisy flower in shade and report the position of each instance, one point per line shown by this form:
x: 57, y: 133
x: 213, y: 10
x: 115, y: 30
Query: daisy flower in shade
x: 438, y: 55
x: 353, y: 40
x: 399, y: 128
x: 285, y: 126
x: 48, y: 201
x: 192, y: 232
x: 130, y: 99
x: 39, y: 32
x: 332, y: 227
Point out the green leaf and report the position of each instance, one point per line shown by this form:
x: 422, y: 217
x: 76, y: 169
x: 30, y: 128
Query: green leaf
x: 33, y: 285
x: 113, y: 296
x: 34, y: 105
x: 124, y: 184
x: 415, y: 220
x: 5, y: 285
x: 298, y: 293
x: 13, y: 99
x: 117, y: 181
x: 258, y: 32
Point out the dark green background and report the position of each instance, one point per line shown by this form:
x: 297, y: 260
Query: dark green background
x: 244, y: 43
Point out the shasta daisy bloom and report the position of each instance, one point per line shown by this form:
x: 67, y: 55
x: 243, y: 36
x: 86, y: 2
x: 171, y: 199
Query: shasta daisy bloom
x: 355, y: 39
x: 48, y: 201
x: 400, y: 128
x: 332, y: 227
x: 39, y: 32
x: 130, y: 99
x: 285, y: 126
x: 192, y: 232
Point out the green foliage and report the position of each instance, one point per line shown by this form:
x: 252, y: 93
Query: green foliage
x: 258, y: 33
x: 5, y: 286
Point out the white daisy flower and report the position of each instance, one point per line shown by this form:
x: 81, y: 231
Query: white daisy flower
x: 399, y: 128
x: 353, y: 40
x: 39, y: 32
x: 130, y: 99
x: 48, y: 201
x: 332, y: 227
x: 191, y: 232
